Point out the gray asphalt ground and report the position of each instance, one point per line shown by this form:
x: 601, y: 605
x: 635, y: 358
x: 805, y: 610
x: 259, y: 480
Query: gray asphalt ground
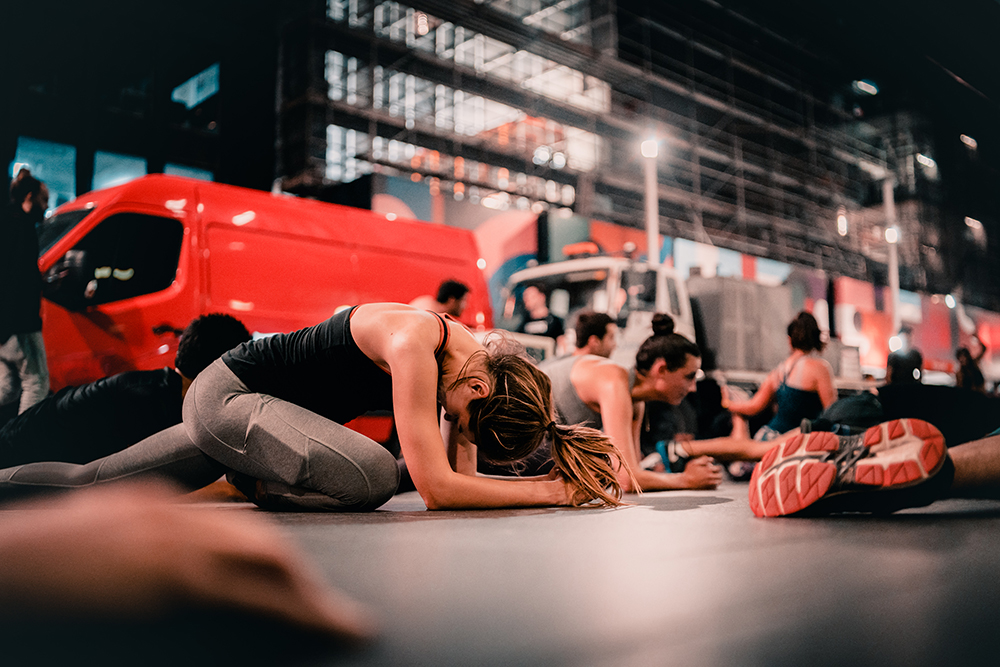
x: 678, y: 578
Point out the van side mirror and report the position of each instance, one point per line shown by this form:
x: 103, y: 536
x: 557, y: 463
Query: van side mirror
x: 67, y: 282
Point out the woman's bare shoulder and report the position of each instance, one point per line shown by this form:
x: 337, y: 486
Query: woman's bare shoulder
x: 379, y: 327
x: 818, y: 364
x: 816, y: 373
x: 593, y: 367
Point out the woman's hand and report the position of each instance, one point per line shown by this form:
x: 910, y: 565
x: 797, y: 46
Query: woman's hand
x: 563, y: 493
x: 702, y: 473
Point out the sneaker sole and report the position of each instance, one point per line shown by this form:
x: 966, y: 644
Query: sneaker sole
x: 798, y: 472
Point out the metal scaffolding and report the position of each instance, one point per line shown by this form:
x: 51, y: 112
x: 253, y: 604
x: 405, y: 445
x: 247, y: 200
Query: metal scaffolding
x: 542, y: 104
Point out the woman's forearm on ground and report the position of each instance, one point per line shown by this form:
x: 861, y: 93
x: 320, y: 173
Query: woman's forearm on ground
x: 455, y: 491
x: 650, y: 480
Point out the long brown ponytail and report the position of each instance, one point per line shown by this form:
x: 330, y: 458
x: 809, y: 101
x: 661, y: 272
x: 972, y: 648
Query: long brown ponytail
x: 587, y: 458
x: 513, y: 421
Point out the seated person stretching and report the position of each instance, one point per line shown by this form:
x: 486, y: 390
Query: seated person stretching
x: 592, y: 390
x: 801, y: 386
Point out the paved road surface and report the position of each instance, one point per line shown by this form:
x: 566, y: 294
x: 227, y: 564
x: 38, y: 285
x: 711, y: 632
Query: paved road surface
x: 680, y: 578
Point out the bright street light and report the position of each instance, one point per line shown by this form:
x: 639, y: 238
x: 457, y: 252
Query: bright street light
x: 650, y: 148
x: 866, y: 87
x: 892, y: 234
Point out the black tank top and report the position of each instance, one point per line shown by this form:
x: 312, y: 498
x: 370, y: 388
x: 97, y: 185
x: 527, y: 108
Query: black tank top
x: 319, y: 368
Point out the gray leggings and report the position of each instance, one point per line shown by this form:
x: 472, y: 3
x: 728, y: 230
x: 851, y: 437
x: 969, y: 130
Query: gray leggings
x: 281, y: 455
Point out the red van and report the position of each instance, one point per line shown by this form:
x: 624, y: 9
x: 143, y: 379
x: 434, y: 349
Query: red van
x: 127, y: 268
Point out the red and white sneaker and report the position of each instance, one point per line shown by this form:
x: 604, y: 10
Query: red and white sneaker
x: 827, y: 472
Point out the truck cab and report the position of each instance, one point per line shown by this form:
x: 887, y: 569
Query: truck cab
x: 629, y: 291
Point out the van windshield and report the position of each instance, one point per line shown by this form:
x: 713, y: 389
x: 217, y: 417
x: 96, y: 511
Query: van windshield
x: 54, y: 228
x: 639, y: 284
x: 567, y: 293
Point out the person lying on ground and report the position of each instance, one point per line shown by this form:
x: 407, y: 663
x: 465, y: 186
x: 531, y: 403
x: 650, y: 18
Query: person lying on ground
x: 84, y: 423
x: 905, y: 446
x: 271, y: 413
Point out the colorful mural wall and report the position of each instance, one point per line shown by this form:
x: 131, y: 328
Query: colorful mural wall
x: 508, y: 242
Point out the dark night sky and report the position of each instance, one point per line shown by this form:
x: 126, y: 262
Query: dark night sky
x: 942, y: 55
x: 937, y: 55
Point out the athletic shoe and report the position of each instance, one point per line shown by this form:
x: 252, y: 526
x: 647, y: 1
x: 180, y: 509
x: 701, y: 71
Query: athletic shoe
x: 673, y: 455
x: 651, y: 461
x: 740, y: 471
x: 828, y: 473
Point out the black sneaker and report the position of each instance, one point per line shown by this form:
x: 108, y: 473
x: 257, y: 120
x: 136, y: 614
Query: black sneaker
x: 674, y: 458
x: 815, y: 465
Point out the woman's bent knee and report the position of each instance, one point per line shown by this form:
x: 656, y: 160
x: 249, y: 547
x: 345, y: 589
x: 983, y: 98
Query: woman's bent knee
x: 374, y: 486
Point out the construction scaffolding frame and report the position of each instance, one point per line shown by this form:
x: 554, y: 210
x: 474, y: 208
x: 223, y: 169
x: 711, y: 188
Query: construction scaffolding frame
x: 542, y: 104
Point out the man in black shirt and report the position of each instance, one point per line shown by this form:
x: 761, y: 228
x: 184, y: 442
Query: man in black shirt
x: 82, y: 424
x: 538, y: 319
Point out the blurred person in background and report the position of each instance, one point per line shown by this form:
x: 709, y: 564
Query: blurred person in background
x: 451, y: 299
x: 968, y: 375
x: 539, y: 320
x: 25, y: 379
x: 596, y: 333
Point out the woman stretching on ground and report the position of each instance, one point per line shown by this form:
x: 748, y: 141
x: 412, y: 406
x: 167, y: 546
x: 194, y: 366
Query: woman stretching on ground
x: 593, y: 390
x: 270, y: 413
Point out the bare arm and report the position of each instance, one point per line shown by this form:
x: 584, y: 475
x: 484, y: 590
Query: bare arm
x: 824, y: 383
x: 758, y: 402
x: 621, y: 424
x: 415, y: 375
x: 129, y: 551
x: 461, y: 452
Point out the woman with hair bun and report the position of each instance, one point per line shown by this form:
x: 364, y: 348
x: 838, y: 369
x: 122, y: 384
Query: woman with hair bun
x: 594, y: 391
x: 270, y: 414
x: 801, y: 386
